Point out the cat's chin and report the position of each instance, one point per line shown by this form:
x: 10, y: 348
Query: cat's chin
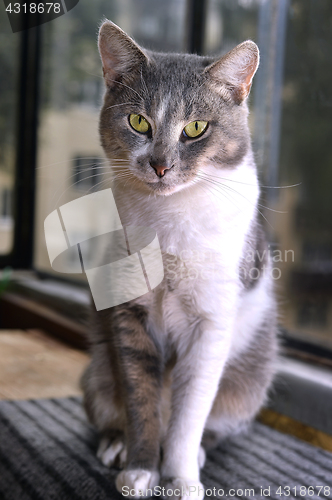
x: 157, y: 187
x: 162, y: 189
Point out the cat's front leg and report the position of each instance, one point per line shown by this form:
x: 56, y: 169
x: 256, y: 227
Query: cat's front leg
x: 195, y: 382
x: 139, y: 368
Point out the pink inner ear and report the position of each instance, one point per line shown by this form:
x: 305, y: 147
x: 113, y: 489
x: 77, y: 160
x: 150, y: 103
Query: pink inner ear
x: 251, y: 68
x: 235, y: 70
x: 109, y: 67
x: 108, y: 59
x: 245, y: 79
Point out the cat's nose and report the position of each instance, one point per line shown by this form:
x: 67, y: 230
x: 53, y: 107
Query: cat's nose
x: 160, y: 170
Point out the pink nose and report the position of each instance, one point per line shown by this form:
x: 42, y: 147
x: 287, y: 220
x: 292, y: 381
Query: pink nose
x: 160, y: 171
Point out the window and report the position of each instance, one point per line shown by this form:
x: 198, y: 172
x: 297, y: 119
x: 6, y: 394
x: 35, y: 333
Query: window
x: 86, y: 173
x: 290, y: 119
x: 9, y: 51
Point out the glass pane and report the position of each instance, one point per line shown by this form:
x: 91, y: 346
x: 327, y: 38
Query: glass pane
x: 70, y: 158
x: 306, y: 157
x: 9, y: 60
x: 229, y: 22
x: 292, y: 128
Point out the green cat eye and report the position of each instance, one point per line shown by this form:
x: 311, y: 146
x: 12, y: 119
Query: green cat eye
x: 195, y: 129
x: 139, y: 123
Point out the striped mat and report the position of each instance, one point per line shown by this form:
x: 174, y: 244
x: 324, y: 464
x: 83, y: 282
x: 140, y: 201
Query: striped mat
x: 47, y: 451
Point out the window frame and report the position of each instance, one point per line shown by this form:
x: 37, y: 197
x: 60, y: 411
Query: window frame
x: 21, y: 254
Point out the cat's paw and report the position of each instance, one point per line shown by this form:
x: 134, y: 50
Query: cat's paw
x: 135, y: 483
x: 179, y: 488
x: 112, y: 452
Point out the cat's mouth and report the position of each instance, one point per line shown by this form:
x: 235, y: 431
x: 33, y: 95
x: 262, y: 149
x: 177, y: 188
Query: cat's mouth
x: 164, y: 189
x: 163, y: 185
x: 161, y: 188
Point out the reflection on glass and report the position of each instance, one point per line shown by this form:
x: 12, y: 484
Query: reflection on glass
x: 9, y: 43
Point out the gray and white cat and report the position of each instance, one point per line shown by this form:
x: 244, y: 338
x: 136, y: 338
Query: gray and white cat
x: 189, y: 363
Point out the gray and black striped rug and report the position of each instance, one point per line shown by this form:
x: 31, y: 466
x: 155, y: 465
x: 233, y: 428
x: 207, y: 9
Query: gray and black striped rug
x: 47, y: 451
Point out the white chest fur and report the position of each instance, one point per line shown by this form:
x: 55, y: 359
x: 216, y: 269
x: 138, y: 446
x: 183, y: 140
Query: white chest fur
x: 202, y: 229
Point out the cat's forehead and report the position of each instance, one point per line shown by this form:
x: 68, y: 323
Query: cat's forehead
x: 175, y: 70
x: 174, y: 84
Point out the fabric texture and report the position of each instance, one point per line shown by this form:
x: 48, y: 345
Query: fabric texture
x: 48, y: 451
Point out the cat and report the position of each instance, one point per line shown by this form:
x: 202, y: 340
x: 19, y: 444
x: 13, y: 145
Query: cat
x: 190, y: 362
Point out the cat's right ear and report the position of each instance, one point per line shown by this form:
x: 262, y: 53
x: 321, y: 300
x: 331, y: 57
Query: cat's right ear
x: 232, y: 74
x: 121, y: 56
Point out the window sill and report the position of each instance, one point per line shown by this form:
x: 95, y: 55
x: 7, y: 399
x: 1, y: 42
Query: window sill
x: 304, y: 393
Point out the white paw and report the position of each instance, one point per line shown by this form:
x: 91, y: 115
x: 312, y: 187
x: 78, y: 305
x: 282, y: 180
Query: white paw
x: 135, y: 483
x: 111, y: 452
x: 201, y: 457
x: 179, y: 488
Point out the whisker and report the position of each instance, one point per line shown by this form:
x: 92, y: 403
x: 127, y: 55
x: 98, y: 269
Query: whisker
x: 250, y: 184
x: 146, y: 91
x: 120, y: 175
x: 258, y: 204
x: 70, y: 160
x: 92, y: 165
x: 261, y: 213
x: 98, y: 184
x: 88, y: 169
x: 93, y: 74
x: 195, y: 94
x: 127, y: 86
x: 72, y: 185
x: 120, y: 104
x: 223, y: 186
x: 216, y: 188
x: 110, y: 178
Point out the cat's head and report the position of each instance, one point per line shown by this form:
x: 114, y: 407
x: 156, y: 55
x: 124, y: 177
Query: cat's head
x: 170, y: 115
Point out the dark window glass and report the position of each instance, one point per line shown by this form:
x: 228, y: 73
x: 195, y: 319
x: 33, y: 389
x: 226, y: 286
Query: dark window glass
x: 9, y: 64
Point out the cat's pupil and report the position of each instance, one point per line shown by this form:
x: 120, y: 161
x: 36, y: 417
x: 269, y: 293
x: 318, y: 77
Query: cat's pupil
x: 196, y: 125
x: 139, y: 120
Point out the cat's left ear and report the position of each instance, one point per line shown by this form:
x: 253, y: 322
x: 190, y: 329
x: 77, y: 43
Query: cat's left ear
x: 233, y: 73
x: 121, y: 56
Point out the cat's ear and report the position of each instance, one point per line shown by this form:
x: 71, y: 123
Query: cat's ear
x: 233, y: 73
x: 120, y: 55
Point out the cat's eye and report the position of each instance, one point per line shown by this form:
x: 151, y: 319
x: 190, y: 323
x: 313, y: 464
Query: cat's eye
x: 139, y: 123
x: 195, y: 129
